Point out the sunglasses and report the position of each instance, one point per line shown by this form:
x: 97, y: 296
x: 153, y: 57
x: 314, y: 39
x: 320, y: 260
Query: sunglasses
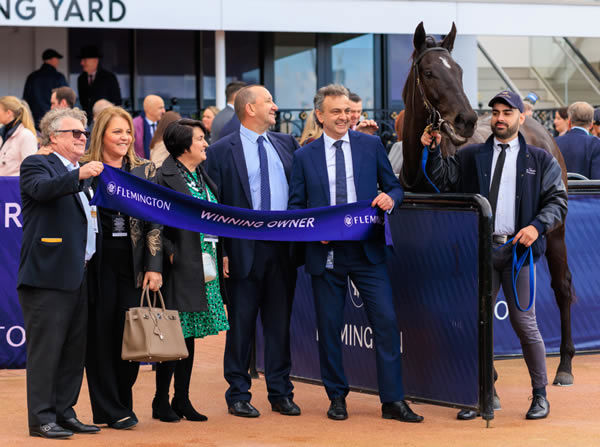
x: 76, y: 133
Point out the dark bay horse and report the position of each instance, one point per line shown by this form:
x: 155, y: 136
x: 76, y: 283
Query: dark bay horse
x: 433, y: 94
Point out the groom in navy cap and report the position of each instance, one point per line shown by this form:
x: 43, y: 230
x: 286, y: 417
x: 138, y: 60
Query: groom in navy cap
x: 528, y: 198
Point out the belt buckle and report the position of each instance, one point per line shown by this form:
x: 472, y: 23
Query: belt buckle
x: 500, y: 238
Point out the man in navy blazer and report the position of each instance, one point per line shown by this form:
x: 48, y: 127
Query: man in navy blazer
x: 60, y: 235
x: 251, y: 168
x: 341, y: 167
x: 581, y: 150
x: 528, y: 198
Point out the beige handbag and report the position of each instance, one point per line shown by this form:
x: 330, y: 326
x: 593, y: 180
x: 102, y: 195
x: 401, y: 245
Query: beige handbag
x: 152, y: 334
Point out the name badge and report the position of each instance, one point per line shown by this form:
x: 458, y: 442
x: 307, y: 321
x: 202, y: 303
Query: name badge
x: 94, y: 213
x: 211, y: 238
x: 119, y: 228
x: 329, y: 263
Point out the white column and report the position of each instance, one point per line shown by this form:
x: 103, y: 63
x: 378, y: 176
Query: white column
x: 220, y: 68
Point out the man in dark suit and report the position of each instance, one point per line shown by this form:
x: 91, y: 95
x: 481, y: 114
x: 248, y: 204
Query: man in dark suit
x: 225, y: 115
x: 581, y: 150
x: 341, y: 167
x: 528, y: 199
x: 251, y: 168
x: 95, y: 82
x: 60, y: 233
x: 40, y: 83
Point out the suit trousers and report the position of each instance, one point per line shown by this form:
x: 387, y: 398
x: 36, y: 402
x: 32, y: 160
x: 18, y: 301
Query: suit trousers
x: 268, y: 289
x: 330, y: 290
x: 523, y: 323
x: 111, y: 379
x: 55, y: 326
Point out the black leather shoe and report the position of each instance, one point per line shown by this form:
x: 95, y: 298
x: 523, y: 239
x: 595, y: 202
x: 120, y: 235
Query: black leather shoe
x: 466, y: 415
x: 125, y: 423
x: 243, y: 409
x: 540, y: 407
x: 337, y: 410
x: 76, y: 426
x: 50, y: 430
x: 399, y: 411
x: 286, y: 406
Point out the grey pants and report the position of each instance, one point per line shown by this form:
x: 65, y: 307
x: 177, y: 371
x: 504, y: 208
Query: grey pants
x: 523, y: 323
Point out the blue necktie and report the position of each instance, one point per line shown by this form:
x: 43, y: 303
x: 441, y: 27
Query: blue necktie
x: 341, y: 193
x: 265, y: 187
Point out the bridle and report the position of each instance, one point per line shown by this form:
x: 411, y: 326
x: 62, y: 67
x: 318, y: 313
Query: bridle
x: 435, y: 120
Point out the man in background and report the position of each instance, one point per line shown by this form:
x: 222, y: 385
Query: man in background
x: 228, y: 113
x: 95, y: 82
x: 356, y: 108
x: 39, y: 84
x: 62, y: 98
x: 145, y: 124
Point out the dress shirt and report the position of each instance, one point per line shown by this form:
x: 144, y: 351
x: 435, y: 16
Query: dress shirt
x: 505, y: 207
x: 330, y: 161
x: 152, y: 125
x: 90, y: 245
x: 277, y: 179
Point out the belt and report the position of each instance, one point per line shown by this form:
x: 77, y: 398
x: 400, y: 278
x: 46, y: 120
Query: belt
x: 501, y: 238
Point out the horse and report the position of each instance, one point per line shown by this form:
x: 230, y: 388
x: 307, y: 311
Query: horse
x: 433, y: 95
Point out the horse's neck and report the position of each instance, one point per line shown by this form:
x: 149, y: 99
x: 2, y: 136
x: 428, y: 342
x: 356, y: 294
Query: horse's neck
x: 415, y: 123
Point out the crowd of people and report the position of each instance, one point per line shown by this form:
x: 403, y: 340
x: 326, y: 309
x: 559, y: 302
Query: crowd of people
x: 78, y: 260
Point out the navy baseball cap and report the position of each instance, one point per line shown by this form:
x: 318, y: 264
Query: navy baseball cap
x: 597, y: 116
x: 509, y: 98
x: 50, y: 53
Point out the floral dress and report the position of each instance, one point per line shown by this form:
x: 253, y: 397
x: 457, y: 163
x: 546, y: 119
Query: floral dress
x: 201, y: 324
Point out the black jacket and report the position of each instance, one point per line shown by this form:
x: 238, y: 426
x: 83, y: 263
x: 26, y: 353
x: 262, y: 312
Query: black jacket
x: 184, y: 287
x: 38, y: 89
x: 105, y: 86
x: 541, y: 196
x: 54, y: 225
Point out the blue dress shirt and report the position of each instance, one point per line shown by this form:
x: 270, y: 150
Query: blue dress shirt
x: 277, y: 179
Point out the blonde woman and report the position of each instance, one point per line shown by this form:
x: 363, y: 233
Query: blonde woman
x: 207, y: 118
x: 17, y: 135
x: 130, y: 258
x: 312, y: 129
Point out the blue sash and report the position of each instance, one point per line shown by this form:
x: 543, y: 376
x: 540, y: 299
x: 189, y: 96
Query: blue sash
x: 133, y: 196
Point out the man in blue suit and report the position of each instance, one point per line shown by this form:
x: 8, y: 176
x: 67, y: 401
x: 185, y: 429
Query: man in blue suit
x: 581, y: 150
x: 251, y: 168
x: 343, y: 167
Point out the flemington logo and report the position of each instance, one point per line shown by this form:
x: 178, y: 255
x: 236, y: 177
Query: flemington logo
x: 362, y: 220
x: 348, y: 220
x: 113, y: 189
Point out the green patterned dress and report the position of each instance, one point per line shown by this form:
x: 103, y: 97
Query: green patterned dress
x: 201, y: 324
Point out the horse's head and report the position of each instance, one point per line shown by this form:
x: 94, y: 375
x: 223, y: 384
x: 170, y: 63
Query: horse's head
x: 438, y: 84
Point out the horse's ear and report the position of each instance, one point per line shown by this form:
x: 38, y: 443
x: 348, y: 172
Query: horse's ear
x: 420, y: 36
x: 448, y: 42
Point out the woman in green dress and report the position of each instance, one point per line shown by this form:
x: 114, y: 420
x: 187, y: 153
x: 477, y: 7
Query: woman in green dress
x: 199, y: 301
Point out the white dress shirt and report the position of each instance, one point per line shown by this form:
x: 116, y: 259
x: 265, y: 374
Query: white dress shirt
x: 330, y: 160
x: 505, y: 207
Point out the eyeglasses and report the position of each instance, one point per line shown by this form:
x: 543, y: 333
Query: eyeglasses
x: 76, y: 133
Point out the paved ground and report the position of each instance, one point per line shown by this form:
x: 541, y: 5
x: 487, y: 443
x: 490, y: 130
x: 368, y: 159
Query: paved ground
x: 573, y: 421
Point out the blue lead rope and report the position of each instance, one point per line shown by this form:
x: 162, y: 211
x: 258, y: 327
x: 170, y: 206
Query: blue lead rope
x: 517, y: 265
x: 423, y: 164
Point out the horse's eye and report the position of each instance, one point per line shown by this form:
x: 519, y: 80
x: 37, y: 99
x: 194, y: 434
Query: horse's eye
x: 428, y: 74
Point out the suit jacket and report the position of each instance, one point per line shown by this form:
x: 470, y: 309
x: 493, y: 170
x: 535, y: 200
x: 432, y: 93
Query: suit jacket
x: 105, y: 86
x: 38, y: 89
x: 309, y: 188
x: 142, y: 137
x: 54, y: 225
x: 541, y: 196
x: 226, y: 166
x: 220, y: 120
x: 184, y: 286
x: 581, y: 153
x: 231, y: 126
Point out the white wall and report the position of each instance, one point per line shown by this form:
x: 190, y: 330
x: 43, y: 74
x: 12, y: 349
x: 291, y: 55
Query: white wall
x: 21, y: 53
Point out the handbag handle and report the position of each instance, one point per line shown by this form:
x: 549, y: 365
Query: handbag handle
x: 162, y: 301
